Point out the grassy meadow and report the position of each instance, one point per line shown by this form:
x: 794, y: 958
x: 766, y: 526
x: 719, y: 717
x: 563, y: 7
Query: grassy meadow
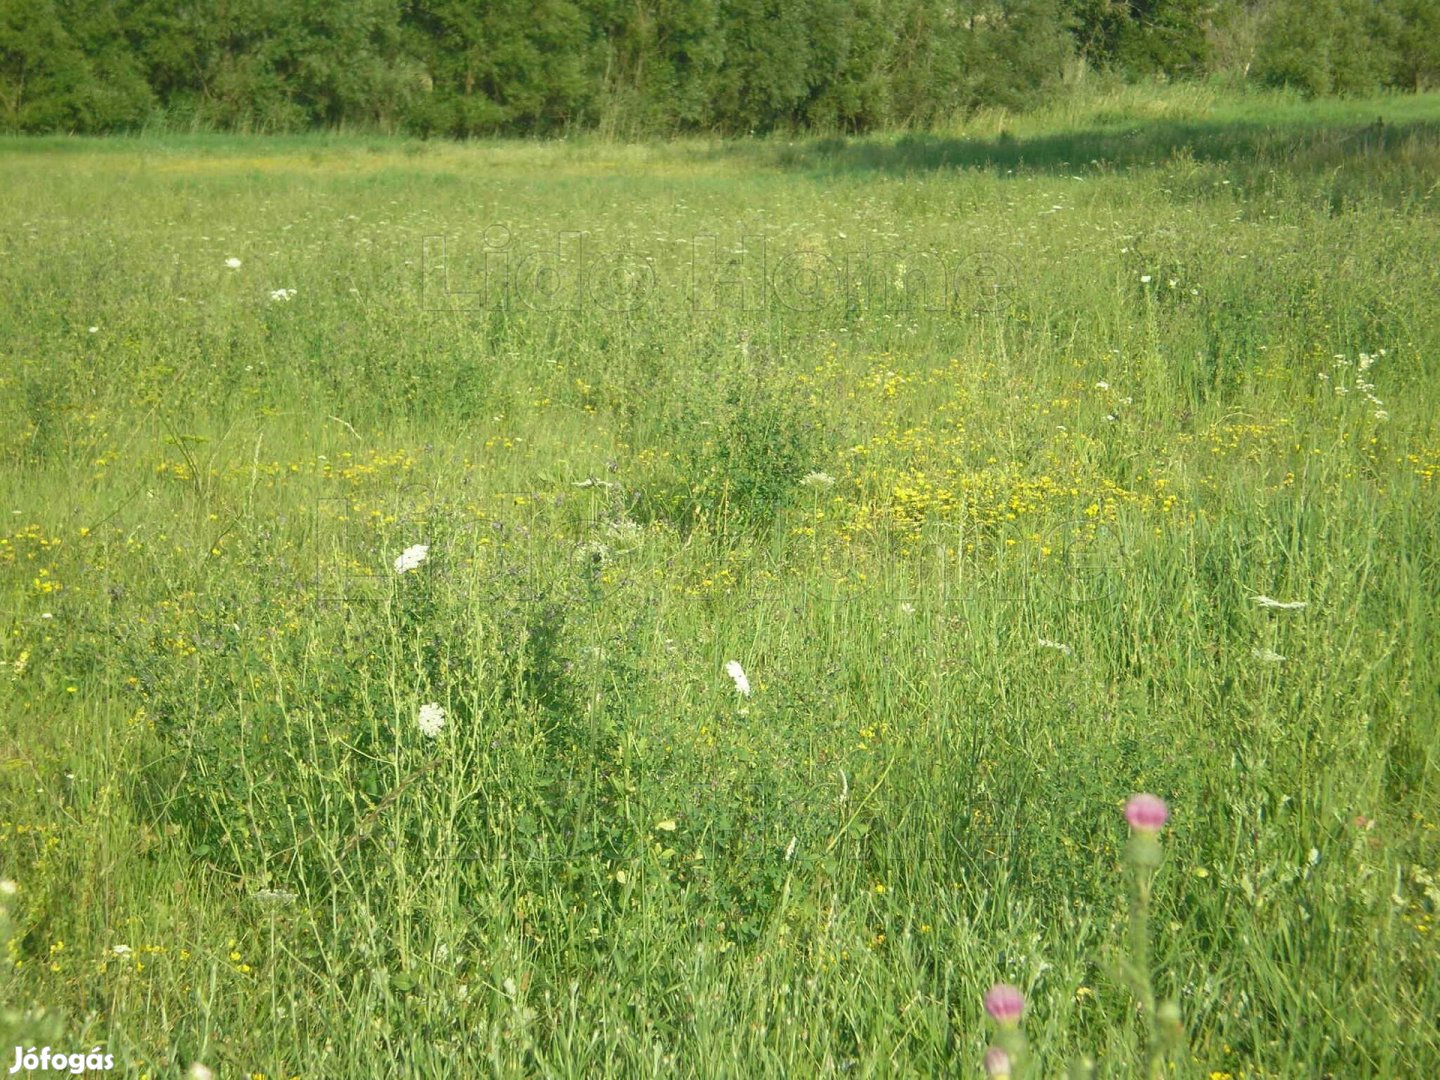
x: 1020, y: 467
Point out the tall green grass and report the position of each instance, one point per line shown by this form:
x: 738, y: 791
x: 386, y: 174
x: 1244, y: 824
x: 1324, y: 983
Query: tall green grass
x: 1021, y: 587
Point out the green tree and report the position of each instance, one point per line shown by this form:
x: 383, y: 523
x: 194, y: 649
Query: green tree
x: 655, y: 61
x: 47, y: 82
x: 1325, y: 46
x: 500, y: 66
x: 765, y: 76
x: 1019, y: 53
x: 850, y: 55
x: 1415, y: 44
x: 1142, y: 37
x: 931, y: 53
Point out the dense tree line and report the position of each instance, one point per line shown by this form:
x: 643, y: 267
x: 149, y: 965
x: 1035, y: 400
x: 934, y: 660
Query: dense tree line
x: 473, y: 67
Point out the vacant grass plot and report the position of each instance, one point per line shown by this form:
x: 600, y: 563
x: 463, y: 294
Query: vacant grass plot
x: 379, y: 523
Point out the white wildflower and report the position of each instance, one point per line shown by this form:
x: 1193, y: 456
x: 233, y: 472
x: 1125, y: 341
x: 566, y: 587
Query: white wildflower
x: 790, y: 848
x: 736, y: 672
x: 818, y: 480
x: 282, y: 294
x: 625, y: 533
x: 1381, y: 414
x: 233, y: 263
x: 1145, y: 279
x: 1102, y: 385
x: 277, y: 897
x: 1267, y: 656
x: 907, y: 608
x: 1058, y: 646
x: 431, y: 720
x: 121, y: 950
x: 199, y: 1072
x: 411, y: 557
x: 593, y: 552
x: 94, y: 329
x: 1279, y: 605
x: 8, y: 887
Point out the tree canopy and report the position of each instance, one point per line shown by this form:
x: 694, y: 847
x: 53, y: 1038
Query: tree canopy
x: 657, y: 67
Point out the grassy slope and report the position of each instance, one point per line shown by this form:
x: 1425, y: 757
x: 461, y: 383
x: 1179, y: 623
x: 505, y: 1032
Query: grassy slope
x: 608, y: 860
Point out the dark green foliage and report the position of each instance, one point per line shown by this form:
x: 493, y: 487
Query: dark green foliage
x: 500, y: 66
x: 636, y: 68
x: 657, y: 61
x: 54, y: 80
x: 1143, y: 37
x: 1415, y: 44
x: 1350, y: 46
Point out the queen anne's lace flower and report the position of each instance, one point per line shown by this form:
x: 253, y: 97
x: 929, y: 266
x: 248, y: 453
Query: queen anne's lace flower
x: 431, y: 720
x: 411, y: 557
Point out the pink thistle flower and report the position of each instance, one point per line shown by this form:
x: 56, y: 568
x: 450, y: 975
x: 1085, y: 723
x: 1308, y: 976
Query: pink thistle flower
x: 997, y: 1064
x: 1146, y: 813
x: 1004, y: 1003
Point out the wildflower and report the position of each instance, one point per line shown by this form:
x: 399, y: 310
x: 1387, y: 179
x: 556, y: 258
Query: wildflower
x: 1279, y: 605
x: 1267, y: 656
x: 1102, y: 385
x: 818, y: 480
x: 233, y: 263
x: 94, y: 329
x: 282, y: 294
x: 626, y: 533
x: 907, y: 608
x: 199, y: 1072
x: 121, y: 950
x: 1381, y: 414
x: 431, y: 720
x: 411, y: 557
x: 1145, y: 279
x: 997, y: 1064
x: 8, y: 887
x: 1146, y: 813
x: 736, y: 672
x: 1005, y: 1003
x: 592, y: 552
x: 1046, y: 643
x: 275, y: 896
